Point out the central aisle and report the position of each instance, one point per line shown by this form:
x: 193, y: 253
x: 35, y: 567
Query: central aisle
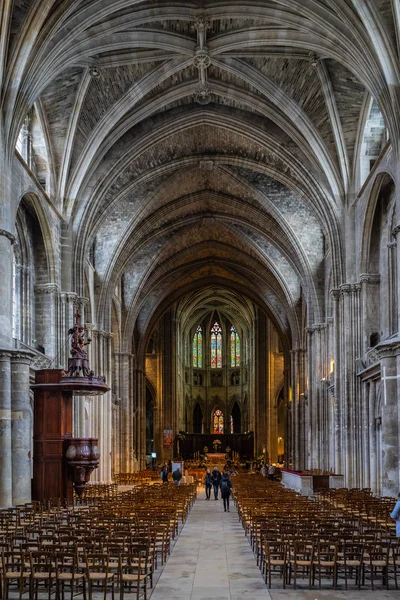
x: 212, y: 559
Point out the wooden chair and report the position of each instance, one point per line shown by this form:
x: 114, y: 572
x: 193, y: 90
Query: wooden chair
x: 69, y: 571
x: 14, y: 570
x: 98, y: 573
x: 301, y: 557
x: 42, y: 572
x: 134, y: 571
x: 350, y: 561
x: 325, y: 561
x: 275, y: 560
x: 376, y: 563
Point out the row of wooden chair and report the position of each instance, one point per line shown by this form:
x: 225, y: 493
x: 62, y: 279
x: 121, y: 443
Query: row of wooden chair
x: 291, y: 534
x: 142, y: 520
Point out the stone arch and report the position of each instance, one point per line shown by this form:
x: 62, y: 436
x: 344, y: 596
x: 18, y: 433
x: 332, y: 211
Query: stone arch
x: 380, y: 262
x: 33, y: 288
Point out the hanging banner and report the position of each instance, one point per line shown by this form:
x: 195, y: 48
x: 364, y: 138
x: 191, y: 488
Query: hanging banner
x: 168, y: 437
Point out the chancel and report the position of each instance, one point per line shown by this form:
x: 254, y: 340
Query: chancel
x: 208, y: 192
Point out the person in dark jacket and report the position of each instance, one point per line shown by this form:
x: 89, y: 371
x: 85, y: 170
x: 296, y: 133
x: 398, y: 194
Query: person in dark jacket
x: 226, y: 485
x: 216, y: 481
x: 208, y: 482
x: 177, y: 476
x: 164, y: 474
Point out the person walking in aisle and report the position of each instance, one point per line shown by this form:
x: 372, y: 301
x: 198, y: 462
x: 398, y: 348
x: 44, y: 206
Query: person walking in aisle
x: 164, y: 474
x: 226, y: 485
x: 271, y: 472
x: 177, y: 476
x: 208, y: 482
x: 216, y: 481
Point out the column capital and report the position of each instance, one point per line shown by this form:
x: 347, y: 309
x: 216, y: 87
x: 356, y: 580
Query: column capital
x: 370, y: 278
x: 24, y: 357
x: 46, y: 288
x: 8, y: 235
x: 82, y: 301
x: 335, y: 292
x: 69, y: 297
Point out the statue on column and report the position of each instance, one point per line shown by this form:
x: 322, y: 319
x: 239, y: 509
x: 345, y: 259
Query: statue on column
x: 78, y: 365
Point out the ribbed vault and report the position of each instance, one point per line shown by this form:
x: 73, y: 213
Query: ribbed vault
x: 189, y: 143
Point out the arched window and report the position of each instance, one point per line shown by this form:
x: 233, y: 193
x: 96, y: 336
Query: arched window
x: 218, y: 421
x: 235, y: 348
x: 198, y: 348
x: 216, y: 346
x: 231, y: 423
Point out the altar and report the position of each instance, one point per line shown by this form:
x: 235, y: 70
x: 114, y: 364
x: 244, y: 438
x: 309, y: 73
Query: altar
x: 190, y: 445
x: 215, y: 459
x: 307, y: 484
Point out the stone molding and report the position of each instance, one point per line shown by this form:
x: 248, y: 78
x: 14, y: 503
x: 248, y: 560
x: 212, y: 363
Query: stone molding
x: 372, y: 278
x: 69, y: 297
x: 8, y: 235
x: 388, y: 349
x: 25, y: 357
x: 17, y: 356
x: 349, y: 288
x: 46, y: 288
x: 82, y: 301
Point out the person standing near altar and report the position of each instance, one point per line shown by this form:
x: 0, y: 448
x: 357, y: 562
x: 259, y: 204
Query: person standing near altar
x: 216, y: 481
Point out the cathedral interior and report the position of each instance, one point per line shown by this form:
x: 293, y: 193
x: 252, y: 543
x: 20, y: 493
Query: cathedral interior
x: 213, y: 185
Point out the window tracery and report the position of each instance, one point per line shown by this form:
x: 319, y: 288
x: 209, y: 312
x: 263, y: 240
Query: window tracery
x: 216, y: 346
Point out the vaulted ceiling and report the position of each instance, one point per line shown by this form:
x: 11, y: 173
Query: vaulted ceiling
x: 200, y: 142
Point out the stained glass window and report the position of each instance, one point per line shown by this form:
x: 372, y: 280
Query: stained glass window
x: 218, y: 422
x: 231, y: 423
x: 235, y: 348
x: 216, y: 346
x: 198, y: 348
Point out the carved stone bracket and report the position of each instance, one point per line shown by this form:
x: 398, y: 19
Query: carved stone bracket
x: 8, y: 235
x: 372, y: 278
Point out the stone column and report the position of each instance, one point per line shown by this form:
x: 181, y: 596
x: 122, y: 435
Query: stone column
x: 67, y: 309
x: 389, y: 355
x: 372, y: 435
x: 45, y: 305
x: 5, y: 429
x: 337, y: 432
x: 126, y: 450
x: 346, y: 373
x: 309, y: 420
x: 21, y: 427
x: 6, y: 276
